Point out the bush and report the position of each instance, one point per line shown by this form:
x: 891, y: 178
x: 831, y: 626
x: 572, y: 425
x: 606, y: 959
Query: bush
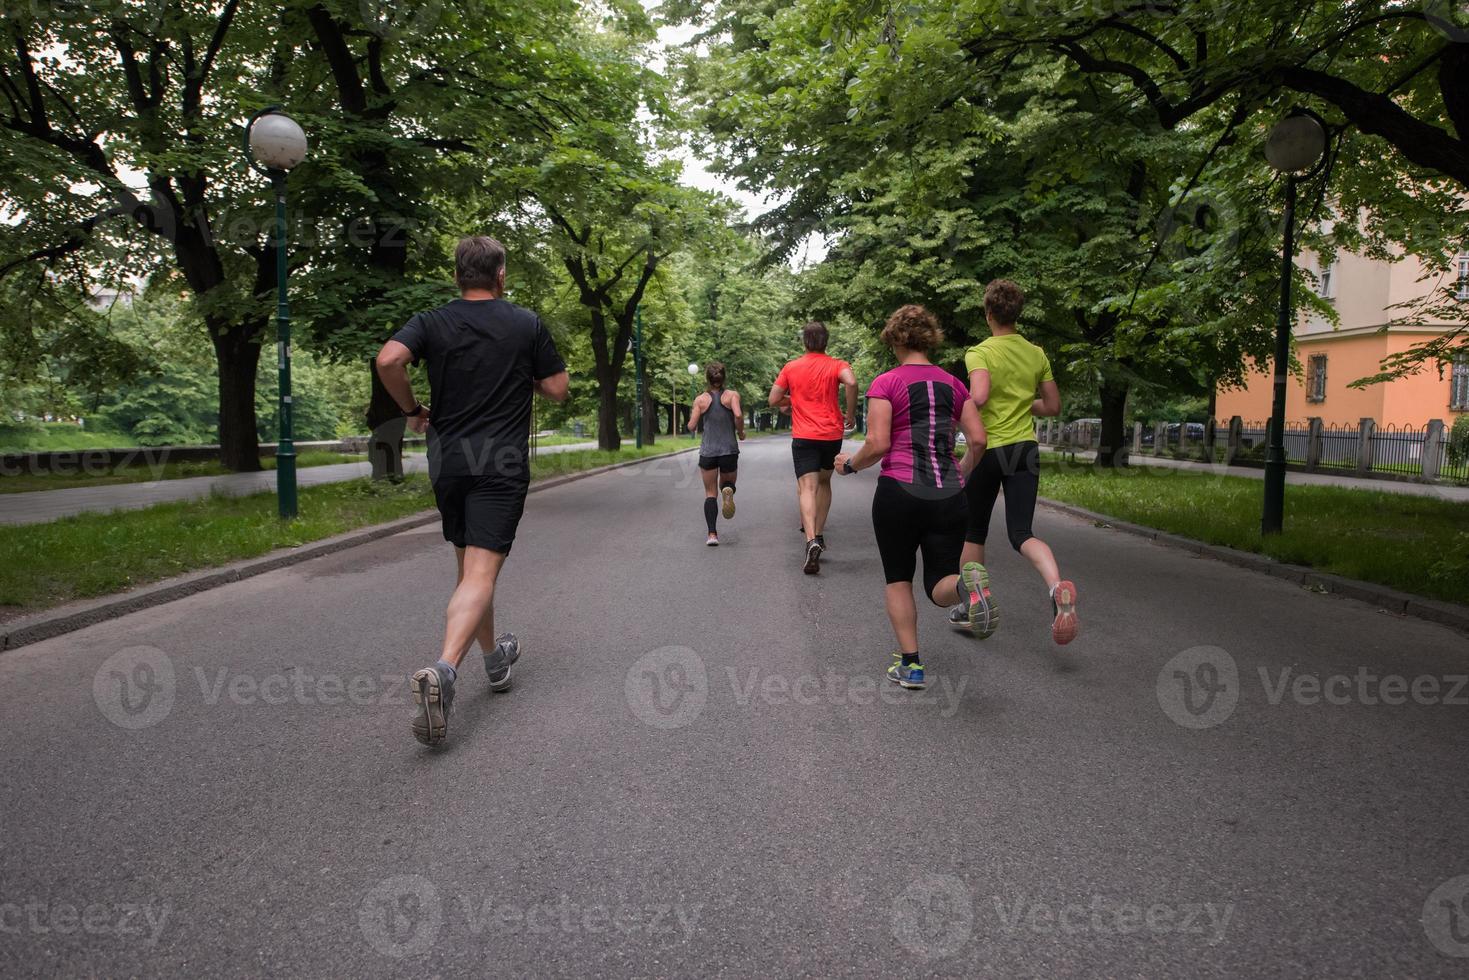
x: 1458, y: 448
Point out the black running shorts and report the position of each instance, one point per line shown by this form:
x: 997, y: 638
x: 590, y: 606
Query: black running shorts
x: 724, y: 464
x: 1017, y: 469
x: 907, y: 524
x: 481, y: 511
x: 811, y: 455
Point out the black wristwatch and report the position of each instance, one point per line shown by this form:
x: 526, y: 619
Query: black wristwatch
x: 848, y: 468
x: 415, y: 412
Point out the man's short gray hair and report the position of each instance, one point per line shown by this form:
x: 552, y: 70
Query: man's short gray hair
x: 478, y: 262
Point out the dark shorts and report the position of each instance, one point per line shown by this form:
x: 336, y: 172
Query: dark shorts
x: 724, y: 464
x: 481, y: 511
x: 811, y: 455
x: 907, y: 524
x: 1017, y: 469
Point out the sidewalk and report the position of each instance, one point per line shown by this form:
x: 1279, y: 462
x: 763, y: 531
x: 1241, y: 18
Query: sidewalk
x: 42, y: 506
x: 1441, y: 491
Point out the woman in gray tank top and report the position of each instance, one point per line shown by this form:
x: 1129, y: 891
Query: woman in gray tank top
x: 719, y: 454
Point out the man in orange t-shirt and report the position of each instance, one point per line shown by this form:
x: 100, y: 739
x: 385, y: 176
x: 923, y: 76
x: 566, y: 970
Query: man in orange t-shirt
x: 808, y: 386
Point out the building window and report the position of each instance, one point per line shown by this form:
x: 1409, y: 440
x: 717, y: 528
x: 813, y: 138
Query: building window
x: 1316, y: 378
x: 1328, y: 280
x: 1463, y: 290
x: 1459, y: 384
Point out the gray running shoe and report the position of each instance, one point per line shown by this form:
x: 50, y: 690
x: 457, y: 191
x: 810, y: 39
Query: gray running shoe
x: 498, y: 661
x: 813, y: 558
x: 433, y: 695
x: 977, y: 613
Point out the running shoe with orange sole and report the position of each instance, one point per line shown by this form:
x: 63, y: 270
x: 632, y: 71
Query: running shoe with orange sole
x: 1063, y: 601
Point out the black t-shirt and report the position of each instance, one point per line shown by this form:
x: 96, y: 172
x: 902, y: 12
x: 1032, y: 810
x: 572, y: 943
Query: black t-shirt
x: 483, y: 357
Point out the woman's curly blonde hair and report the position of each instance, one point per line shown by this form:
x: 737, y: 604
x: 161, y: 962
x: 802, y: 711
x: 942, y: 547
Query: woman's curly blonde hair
x: 913, y: 327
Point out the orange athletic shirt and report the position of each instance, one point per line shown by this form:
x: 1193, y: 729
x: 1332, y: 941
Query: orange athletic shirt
x: 812, y: 381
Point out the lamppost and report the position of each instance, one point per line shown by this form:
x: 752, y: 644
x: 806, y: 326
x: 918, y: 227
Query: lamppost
x: 1296, y: 147
x: 693, y: 393
x: 637, y: 367
x: 274, y: 144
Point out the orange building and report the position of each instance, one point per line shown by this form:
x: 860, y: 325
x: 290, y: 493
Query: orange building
x: 1364, y: 292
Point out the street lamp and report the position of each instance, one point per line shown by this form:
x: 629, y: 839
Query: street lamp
x: 1297, y: 148
x: 693, y: 393
x: 274, y: 144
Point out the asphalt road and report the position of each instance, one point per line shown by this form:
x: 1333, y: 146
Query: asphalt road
x: 701, y: 771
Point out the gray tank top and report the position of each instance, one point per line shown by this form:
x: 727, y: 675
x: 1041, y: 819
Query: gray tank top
x: 719, y: 429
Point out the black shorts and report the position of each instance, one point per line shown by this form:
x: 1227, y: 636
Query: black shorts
x: 1016, y: 468
x: 906, y: 524
x: 724, y: 464
x: 481, y: 511
x: 811, y: 455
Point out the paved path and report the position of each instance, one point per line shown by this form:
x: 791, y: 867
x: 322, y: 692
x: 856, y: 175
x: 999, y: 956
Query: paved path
x: 700, y: 771
x: 1442, y: 491
x: 40, y: 506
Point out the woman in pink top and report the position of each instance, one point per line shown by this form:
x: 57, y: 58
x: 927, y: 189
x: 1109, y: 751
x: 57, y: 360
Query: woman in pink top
x: 913, y: 412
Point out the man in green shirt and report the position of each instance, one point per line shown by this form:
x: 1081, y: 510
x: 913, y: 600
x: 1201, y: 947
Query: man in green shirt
x: 1010, y: 380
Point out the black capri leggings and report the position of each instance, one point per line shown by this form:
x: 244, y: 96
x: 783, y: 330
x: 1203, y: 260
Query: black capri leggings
x: 1017, y: 468
x: 907, y: 520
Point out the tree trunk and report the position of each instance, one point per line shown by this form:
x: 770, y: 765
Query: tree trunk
x: 607, y: 435
x: 238, y: 357
x: 1113, y: 449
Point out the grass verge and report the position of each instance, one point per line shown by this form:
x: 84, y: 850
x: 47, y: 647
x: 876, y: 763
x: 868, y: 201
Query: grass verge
x: 1415, y: 544
x: 43, y: 565
x: 48, y: 437
x: 145, y: 473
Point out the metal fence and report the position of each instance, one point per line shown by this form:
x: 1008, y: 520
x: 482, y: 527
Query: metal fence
x: 1426, y: 453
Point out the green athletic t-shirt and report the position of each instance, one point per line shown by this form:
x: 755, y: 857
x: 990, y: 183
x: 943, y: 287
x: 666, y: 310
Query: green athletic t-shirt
x: 1017, y: 367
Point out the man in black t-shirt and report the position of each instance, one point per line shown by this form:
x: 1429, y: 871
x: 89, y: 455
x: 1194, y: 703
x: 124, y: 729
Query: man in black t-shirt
x: 487, y: 358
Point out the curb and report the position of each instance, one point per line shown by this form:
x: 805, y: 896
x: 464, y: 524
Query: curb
x: 1390, y: 600
x: 88, y: 612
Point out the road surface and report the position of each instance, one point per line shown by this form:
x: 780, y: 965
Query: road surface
x: 700, y: 770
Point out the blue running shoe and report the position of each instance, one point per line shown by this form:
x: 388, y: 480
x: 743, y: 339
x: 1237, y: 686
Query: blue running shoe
x: 910, y: 677
x: 498, y: 661
x: 433, y: 695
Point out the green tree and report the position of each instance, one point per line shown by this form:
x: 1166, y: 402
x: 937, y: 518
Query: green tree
x: 937, y: 174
